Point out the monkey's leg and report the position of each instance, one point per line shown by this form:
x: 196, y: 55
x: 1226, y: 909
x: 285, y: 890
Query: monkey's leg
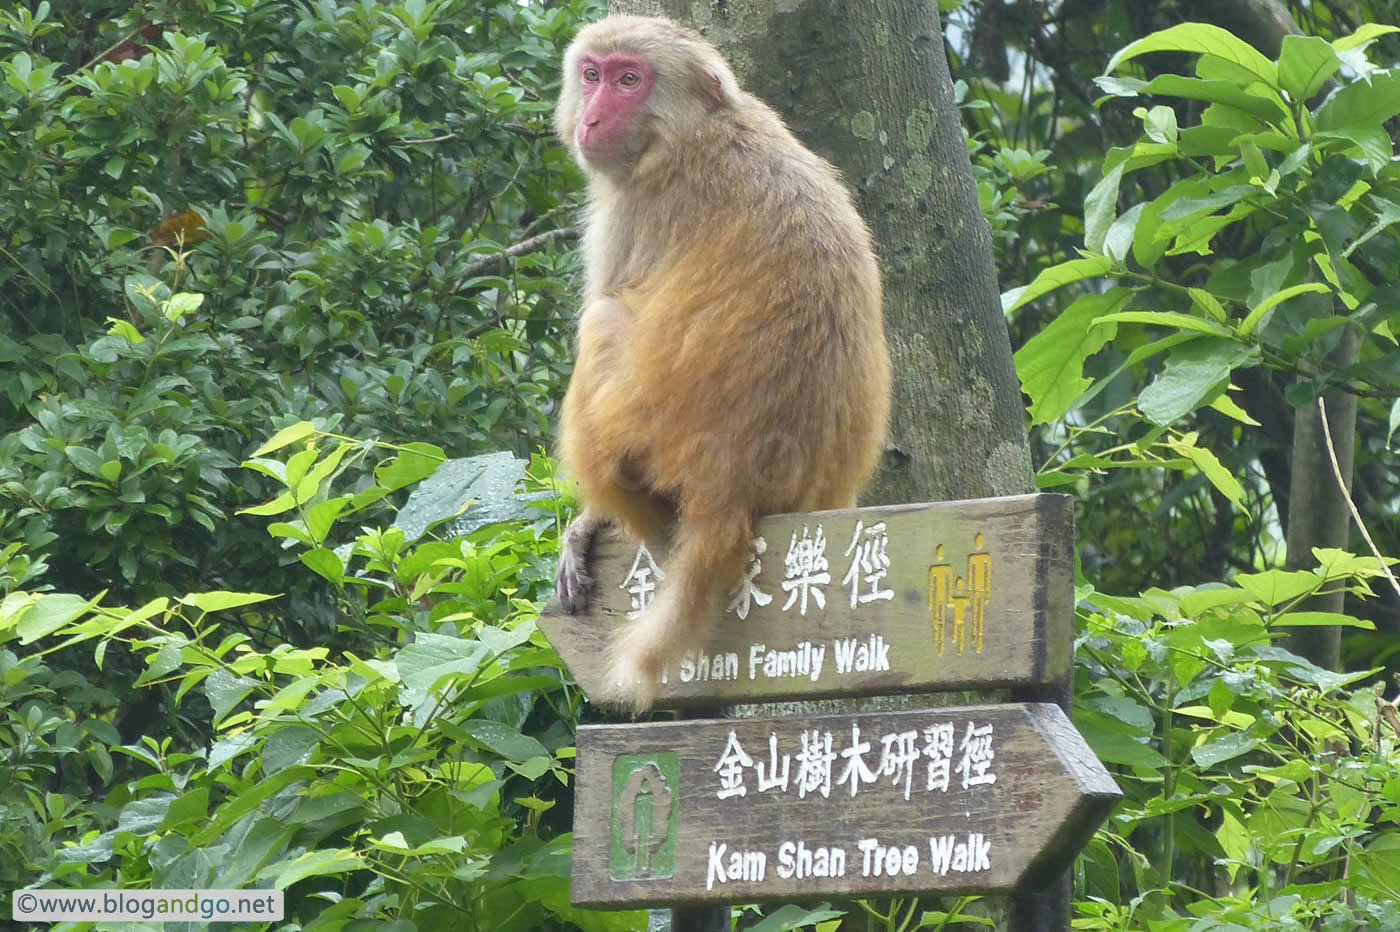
x: 707, y: 558
x: 572, y: 581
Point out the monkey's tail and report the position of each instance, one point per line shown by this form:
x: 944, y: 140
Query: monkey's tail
x: 703, y: 566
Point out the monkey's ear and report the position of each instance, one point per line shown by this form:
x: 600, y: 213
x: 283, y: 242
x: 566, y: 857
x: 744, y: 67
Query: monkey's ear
x: 712, y: 90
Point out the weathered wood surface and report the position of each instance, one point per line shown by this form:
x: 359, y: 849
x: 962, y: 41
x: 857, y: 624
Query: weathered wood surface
x: 907, y: 598
x: 952, y: 800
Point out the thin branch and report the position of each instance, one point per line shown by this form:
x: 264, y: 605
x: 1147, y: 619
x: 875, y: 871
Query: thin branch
x: 445, y: 137
x: 1346, y: 496
x: 112, y: 48
x: 481, y: 263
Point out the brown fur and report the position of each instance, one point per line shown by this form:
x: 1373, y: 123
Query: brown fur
x: 731, y: 351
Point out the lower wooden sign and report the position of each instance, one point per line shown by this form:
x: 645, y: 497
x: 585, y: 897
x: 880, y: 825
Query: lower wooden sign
x: 968, y: 799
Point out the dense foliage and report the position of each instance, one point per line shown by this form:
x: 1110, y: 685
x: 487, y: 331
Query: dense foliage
x: 273, y: 533
x: 331, y: 182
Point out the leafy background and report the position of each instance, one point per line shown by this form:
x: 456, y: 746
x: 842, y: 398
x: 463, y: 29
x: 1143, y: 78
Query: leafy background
x: 286, y: 293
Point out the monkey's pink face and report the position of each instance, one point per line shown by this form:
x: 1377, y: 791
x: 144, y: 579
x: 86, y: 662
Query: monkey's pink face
x: 615, y: 87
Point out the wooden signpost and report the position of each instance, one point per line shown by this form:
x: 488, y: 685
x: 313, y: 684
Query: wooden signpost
x: 974, y: 798
x: 914, y: 598
x: 870, y: 601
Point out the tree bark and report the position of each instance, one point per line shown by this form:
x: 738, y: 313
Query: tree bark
x: 867, y: 87
x: 1318, y: 515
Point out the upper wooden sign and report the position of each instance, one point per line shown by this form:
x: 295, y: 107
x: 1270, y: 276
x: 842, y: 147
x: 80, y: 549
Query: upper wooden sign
x: 906, y: 598
x: 972, y: 799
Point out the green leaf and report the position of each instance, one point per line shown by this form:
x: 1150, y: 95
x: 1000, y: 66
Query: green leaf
x: 1368, y: 32
x: 1100, y: 208
x: 320, y: 517
x: 476, y: 489
x: 1201, y: 600
x: 1057, y: 276
x: 47, y: 613
x: 794, y: 917
x: 1119, y: 239
x: 320, y: 863
x: 1274, y: 587
x: 1373, y: 142
x: 1209, y: 303
x: 1051, y: 364
x: 287, y: 435
x: 1307, y: 619
x: 1166, y: 319
x: 224, y: 691
x: 415, y: 461
x: 1226, y: 747
x: 1194, y: 371
x: 1364, y: 103
x: 1251, y: 320
x: 1210, y: 467
x: 181, y: 304
x: 1267, y: 107
x: 1305, y: 65
x: 1254, y: 161
x: 1394, y: 421
x: 347, y: 97
x: 1159, y: 124
x: 508, y: 742
x: 1227, y: 406
x: 325, y: 563
x: 1112, y: 743
x: 1148, y: 243
x: 284, y: 502
x: 291, y: 530
x: 144, y: 816
x: 218, y: 600
x: 1196, y: 39
x: 89, y: 461
x: 125, y: 330
x: 191, y: 807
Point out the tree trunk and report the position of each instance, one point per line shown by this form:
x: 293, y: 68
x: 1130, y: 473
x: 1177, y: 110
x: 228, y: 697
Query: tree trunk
x: 1318, y: 515
x: 867, y: 87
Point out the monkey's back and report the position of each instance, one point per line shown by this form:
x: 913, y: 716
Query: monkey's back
x: 759, y: 360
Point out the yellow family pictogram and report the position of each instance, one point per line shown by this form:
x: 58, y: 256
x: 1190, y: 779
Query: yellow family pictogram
x: 960, y: 602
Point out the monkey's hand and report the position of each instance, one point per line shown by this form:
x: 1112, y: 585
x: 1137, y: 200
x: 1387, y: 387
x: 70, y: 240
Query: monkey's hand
x: 572, y: 582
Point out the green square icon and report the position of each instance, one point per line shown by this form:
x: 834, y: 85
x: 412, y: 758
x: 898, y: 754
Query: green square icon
x: 645, y: 804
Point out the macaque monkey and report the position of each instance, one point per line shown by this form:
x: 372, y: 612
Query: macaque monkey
x: 731, y: 350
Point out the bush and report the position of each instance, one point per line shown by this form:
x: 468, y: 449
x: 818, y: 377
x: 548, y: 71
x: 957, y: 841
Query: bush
x: 244, y: 213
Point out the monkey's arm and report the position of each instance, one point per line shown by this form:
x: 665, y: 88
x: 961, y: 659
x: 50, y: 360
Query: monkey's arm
x: 572, y: 582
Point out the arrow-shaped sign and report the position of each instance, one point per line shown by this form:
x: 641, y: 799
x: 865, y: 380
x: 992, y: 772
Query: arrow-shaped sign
x: 865, y: 601
x: 951, y: 800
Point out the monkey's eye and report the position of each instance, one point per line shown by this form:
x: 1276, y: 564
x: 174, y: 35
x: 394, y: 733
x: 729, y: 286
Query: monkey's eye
x: 590, y: 74
x: 630, y: 78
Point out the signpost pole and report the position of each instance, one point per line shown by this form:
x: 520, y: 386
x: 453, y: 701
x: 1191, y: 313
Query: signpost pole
x: 1047, y: 909
x: 710, y: 917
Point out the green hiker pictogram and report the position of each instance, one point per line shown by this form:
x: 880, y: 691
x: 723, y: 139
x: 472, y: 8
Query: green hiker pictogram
x: 645, y: 800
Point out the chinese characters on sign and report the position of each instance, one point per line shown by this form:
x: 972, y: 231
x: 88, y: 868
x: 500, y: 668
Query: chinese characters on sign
x: 948, y: 757
x: 932, y: 758
x: 957, y: 601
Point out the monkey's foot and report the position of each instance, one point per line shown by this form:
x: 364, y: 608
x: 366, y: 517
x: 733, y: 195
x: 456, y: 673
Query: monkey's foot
x: 573, y: 583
